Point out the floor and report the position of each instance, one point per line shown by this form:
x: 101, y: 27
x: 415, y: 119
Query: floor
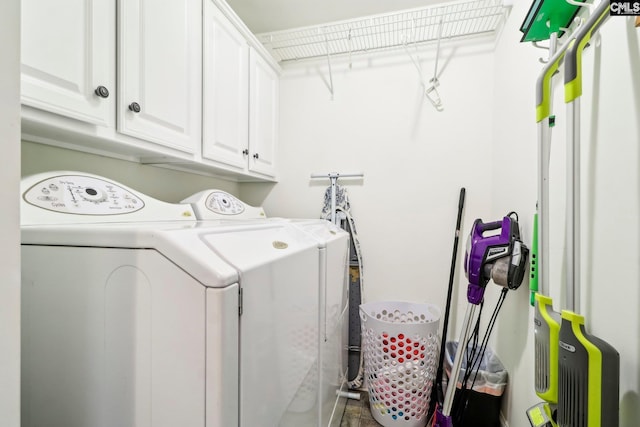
x: 358, y: 414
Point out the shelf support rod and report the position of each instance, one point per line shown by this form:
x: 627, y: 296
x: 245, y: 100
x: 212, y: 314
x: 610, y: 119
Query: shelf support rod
x: 431, y: 91
x: 435, y: 98
x: 435, y: 71
x: 351, y: 48
x: 326, y: 41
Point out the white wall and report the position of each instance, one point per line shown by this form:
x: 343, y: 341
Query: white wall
x: 515, y: 187
x: 414, y: 159
x: 10, y: 216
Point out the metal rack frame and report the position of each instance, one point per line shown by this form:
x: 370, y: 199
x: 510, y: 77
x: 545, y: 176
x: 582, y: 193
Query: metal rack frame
x: 413, y: 26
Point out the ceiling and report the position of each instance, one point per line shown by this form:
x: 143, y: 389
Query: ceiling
x: 263, y: 16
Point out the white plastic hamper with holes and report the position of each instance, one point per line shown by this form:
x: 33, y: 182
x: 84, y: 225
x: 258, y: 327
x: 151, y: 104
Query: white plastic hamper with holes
x: 401, y: 349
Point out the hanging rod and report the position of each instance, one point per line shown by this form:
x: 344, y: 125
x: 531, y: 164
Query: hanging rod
x: 333, y: 177
x: 459, y: 19
x: 337, y: 175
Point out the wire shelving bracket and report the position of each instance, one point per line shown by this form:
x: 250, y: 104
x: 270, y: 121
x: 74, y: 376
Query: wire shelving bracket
x: 431, y: 90
x: 459, y: 19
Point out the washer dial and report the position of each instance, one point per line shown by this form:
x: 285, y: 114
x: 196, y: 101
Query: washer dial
x: 224, y: 203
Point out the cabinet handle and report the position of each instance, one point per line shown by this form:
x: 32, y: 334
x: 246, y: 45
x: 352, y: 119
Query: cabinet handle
x: 245, y: 152
x: 135, y: 107
x: 255, y: 156
x: 102, y: 92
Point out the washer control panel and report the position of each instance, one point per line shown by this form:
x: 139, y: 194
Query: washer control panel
x: 68, y: 197
x: 84, y: 195
x: 223, y: 203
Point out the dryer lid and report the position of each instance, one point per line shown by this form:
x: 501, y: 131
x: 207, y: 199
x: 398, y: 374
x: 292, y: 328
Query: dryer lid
x: 248, y: 247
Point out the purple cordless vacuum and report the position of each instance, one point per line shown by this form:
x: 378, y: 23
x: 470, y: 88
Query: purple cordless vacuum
x: 500, y: 256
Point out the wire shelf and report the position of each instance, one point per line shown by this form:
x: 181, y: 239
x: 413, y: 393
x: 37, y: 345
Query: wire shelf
x: 368, y: 33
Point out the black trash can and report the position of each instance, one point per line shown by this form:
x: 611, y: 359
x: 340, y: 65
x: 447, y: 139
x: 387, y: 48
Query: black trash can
x: 480, y: 405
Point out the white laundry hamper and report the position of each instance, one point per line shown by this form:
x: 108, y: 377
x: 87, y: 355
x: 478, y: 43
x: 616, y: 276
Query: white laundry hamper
x: 401, y: 349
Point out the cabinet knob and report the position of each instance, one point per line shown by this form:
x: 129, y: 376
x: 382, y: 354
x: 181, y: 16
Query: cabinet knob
x: 102, y: 92
x: 256, y: 156
x: 245, y: 152
x: 135, y: 107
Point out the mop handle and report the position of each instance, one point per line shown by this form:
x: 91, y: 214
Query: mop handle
x: 573, y: 62
x: 543, y: 84
x: 572, y: 94
x: 457, y: 363
x: 452, y: 272
x: 539, y: 270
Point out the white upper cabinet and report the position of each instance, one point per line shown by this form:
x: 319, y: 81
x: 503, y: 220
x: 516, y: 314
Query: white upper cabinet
x: 68, y: 58
x: 240, y: 104
x: 263, y: 115
x: 181, y: 83
x: 225, y: 115
x: 159, y: 71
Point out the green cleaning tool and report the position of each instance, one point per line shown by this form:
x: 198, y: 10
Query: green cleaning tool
x: 533, y: 262
x: 546, y: 20
x: 589, y: 368
x: 546, y: 17
x: 546, y: 320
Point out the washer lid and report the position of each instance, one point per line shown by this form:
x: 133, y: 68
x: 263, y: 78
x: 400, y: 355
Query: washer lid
x: 179, y: 242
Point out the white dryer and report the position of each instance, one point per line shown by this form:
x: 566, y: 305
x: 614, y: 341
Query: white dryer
x: 321, y: 400
x: 135, y: 314
x: 331, y: 368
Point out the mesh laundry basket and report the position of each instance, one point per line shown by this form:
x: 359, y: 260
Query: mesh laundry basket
x: 401, y: 348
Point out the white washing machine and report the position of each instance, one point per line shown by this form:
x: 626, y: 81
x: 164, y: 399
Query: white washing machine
x: 135, y: 314
x: 321, y: 400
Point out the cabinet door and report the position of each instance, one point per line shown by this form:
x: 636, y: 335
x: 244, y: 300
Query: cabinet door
x: 263, y: 115
x: 159, y: 71
x: 68, y: 51
x: 225, y: 113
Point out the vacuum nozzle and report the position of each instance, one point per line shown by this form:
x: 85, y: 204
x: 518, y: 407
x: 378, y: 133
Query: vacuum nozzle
x: 498, y: 271
x: 509, y: 271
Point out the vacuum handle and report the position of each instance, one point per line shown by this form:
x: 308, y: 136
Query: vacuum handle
x: 573, y: 61
x: 543, y: 85
x: 486, y: 226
